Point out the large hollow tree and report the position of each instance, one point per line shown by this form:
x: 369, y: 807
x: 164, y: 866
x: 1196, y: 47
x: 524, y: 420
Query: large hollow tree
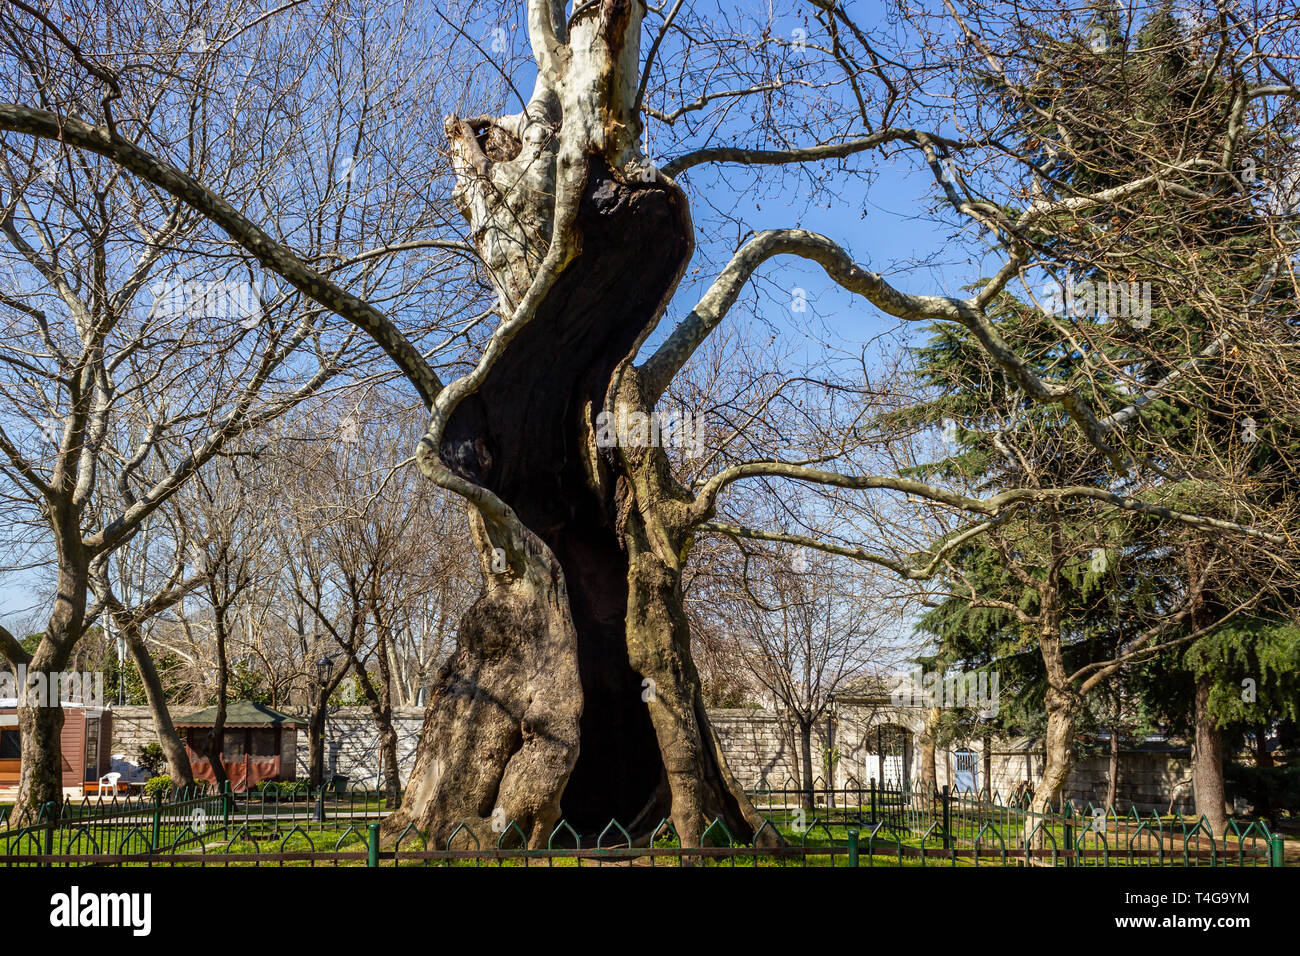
x: 543, y: 711
x: 573, y: 693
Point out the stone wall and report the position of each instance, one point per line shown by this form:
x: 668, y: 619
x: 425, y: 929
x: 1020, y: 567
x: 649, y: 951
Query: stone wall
x: 761, y: 752
x: 289, y: 752
x: 132, y: 730
x: 1148, y: 780
x: 352, y: 744
x: 760, y: 748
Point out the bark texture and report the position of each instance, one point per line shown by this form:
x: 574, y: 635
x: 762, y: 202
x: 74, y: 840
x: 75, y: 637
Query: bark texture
x: 1207, y: 762
x: 929, y: 764
x: 572, y: 692
x: 40, y: 774
x: 1112, y: 768
x: 1059, y: 700
x: 1060, y: 751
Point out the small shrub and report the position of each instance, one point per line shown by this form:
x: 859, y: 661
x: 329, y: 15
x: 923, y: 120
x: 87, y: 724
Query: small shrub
x: 282, y: 786
x: 151, y: 759
x: 161, y: 784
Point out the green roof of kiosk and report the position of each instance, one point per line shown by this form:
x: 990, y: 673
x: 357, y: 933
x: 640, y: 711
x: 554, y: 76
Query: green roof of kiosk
x: 242, y: 713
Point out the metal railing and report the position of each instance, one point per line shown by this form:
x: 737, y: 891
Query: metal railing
x: 973, y: 825
x: 846, y: 826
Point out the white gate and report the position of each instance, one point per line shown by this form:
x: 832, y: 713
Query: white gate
x: 886, y: 760
x: 965, y: 767
x: 894, y: 773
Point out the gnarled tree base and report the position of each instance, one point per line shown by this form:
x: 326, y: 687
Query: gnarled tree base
x: 572, y: 693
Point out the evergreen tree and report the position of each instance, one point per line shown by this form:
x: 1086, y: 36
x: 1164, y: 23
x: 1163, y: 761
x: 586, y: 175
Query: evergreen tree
x: 1104, y: 603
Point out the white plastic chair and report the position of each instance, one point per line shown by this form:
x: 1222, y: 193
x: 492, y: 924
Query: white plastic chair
x: 111, y: 780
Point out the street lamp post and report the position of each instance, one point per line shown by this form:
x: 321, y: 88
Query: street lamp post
x: 324, y: 667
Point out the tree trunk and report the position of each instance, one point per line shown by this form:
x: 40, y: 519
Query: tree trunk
x: 929, y: 764
x: 1112, y: 775
x: 316, y: 745
x: 987, y: 788
x: 317, y: 714
x: 1050, y: 788
x: 1048, y: 793
x: 178, y: 758
x: 1059, y: 699
x: 392, y: 778
x: 1207, y: 762
x: 128, y: 625
x: 40, y: 775
x: 1060, y: 703
x: 572, y: 692
x: 216, y: 736
x: 500, y: 735
x: 384, y: 713
x: 40, y: 729
x: 806, y: 769
x: 656, y: 536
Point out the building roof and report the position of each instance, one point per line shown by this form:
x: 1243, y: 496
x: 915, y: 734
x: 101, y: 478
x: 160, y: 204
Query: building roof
x: 243, y: 713
x: 11, y: 703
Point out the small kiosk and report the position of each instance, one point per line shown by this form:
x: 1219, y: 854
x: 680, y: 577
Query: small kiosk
x: 257, y: 743
x: 87, y: 733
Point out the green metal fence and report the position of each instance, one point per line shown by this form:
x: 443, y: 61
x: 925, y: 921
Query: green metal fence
x: 848, y: 826
x: 120, y: 824
x: 972, y: 827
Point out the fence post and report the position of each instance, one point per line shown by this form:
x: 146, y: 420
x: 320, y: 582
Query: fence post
x: 226, y: 799
x: 947, y: 819
x: 873, y: 801
x: 157, y: 819
x: 373, y: 861
x: 48, y: 813
x: 1067, y: 833
x: 853, y: 846
x: 1278, y: 847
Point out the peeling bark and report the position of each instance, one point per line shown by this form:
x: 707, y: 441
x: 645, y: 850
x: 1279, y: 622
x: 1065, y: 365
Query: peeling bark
x: 500, y: 735
x: 572, y: 692
x: 1060, y: 752
x: 1059, y: 700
